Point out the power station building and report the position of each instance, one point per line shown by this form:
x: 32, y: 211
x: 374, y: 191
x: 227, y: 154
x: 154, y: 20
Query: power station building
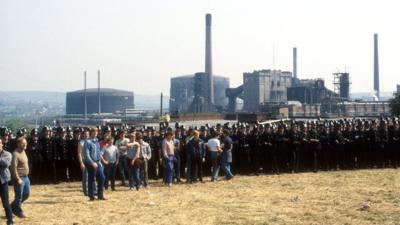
x: 309, y: 91
x: 265, y: 86
x: 104, y: 100
x: 190, y: 93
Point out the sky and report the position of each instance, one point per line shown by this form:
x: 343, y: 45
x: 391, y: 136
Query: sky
x: 139, y: 45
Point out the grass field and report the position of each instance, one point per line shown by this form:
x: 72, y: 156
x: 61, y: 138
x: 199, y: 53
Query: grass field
x: 343, y: 197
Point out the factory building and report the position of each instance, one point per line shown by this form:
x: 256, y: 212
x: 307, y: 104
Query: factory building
x: 110, y: 101
x: 265, y: 86
x: 309, y: 91
x: 184, y: 88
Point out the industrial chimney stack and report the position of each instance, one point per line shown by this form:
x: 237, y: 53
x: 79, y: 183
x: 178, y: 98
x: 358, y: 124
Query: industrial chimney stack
x: 208, y: 69
x: 376, y: 67
x: 295, y: 63
x: 98, y: 90
x: 84, y: 86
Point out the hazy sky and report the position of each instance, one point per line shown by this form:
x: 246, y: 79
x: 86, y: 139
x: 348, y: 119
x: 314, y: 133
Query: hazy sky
x: 140, y: 45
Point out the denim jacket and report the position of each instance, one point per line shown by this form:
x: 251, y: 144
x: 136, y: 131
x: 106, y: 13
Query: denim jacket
x: 91, y: 151
x: 5, y: 162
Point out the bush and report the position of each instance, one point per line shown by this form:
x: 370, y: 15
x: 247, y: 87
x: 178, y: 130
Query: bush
x: 394, y: 104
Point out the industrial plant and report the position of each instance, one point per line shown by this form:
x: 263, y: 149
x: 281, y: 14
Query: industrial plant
x: 202, y: 91
x: 273, y: 92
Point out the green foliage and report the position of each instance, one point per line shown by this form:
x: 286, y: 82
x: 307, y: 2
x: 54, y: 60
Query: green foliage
x: 14, y: 124
x: 394, y: 104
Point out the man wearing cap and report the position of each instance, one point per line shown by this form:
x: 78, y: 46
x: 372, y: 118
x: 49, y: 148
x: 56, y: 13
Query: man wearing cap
x: 60, y: 156
x: 34, y: 156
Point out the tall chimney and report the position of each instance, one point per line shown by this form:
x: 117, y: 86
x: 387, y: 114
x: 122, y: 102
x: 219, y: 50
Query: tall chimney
x: 295, y: 63
x: 208, y: 68
x: 98, y: 90
x: 376, y: 67
x: 84, y: 87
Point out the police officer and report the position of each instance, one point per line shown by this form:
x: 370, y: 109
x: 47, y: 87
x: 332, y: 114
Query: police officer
x: 34, y: 156
x: 60, y: 155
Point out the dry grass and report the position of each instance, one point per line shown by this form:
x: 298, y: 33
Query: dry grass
x: 322, y: 198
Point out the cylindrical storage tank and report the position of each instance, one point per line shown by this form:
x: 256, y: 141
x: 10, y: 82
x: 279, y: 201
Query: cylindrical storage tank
x: 111, y: 100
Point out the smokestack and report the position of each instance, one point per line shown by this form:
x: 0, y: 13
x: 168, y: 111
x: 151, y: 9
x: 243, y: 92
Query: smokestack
x: 376, y: 66
x: 161, y: 107
x: 295, y: 63
x: 84, y: 87
x: 208, y: 68
x: 98, y: 89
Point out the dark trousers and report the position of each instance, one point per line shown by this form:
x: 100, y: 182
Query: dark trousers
x: 92, y: 173
x: 109, y: 172
x: 194, y: 169
x: 177, y: 167
x: 4, y: 200
x: 123, y: 168
x: 61, y: 171
x: 144, y: 172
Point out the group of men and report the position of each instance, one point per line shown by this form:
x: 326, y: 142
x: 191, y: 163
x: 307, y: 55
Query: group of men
x: 71, y: 154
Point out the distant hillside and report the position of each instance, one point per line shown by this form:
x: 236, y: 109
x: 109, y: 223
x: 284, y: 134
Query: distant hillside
x: 12, y: 97
x: 32, y: 96
x: 150, y: 101
x: 367, y: 96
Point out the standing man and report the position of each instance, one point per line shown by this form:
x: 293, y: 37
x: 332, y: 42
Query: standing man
x: 60, y: 156
x: 5, y: 177
x: 195, y: 158
x: 34, y: 156
x: 214, y: 147
x: 168, y: 154
x: 92, y: 157
x: 226, y: 159
x: 20, y: 172
x: 46, y: 152
x: 80, y: 156
x: 121, y: 144
x: 145, y: 155
x: 177, y: 164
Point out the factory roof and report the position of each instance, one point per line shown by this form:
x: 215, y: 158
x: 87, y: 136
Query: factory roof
x: 102, y: 90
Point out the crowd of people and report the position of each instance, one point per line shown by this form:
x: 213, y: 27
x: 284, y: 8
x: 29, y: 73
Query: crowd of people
x: 98, y: 155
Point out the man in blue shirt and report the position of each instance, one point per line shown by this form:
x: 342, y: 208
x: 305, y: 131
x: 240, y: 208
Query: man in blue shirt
x: 226, y: 159
x: 92, y: 161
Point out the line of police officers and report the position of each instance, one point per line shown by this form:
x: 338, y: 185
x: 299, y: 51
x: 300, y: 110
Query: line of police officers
x: 291, y: 146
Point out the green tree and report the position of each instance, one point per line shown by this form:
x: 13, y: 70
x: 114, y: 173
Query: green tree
x: 394, y: 104
x: 14, y: 124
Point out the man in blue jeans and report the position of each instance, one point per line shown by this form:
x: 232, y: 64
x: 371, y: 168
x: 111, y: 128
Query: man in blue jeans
x: 84, y: 137
x: 226, y: 158
x: 5, y: 177
x: 168, y: 154
x: 20, y: 172
x: 92, y: 159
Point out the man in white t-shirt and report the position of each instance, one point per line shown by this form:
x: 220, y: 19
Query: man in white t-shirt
x: 214, y: 146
